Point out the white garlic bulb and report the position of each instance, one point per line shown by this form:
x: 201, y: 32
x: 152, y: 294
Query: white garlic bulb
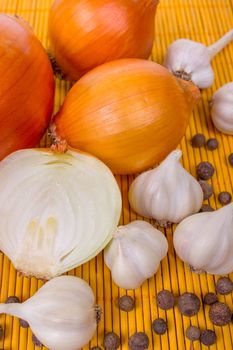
x: 205, y: 241
x: 62, y: 314
x: 167, y: 193
x: 222, y: 109
x: 58, y: 210
x: 134, y: 254
x: 191, y: 60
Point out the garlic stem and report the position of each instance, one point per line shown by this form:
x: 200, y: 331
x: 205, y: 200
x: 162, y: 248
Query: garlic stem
x: 14, y: 309
x: 220, y: 44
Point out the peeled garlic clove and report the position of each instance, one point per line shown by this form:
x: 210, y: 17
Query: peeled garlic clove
x: 167, y: 193
x: 204, y: 241
x: 222, y: 109
x: 58, y: 210
x: 62, y: 314
x: 134, y: 254
x: 190, y: 60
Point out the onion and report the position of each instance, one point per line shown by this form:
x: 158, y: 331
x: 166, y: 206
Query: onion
x: 27, y: 86
x: 58, y: 210
x: 130, y: 113
x: 87, y: 33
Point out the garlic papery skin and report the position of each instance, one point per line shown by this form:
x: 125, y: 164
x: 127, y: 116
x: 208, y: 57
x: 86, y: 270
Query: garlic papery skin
x: 222, y: 109
x: 191, y: 60
x: 167, y: 193
x: 134, y: 254
x: 204, y: 241
x: 58, y: 210
x: 62, y: 314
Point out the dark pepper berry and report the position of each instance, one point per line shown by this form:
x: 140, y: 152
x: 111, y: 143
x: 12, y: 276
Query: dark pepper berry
x: 205, y: 208
x: 159, y: 326
x: 208, y: 337
x: 138, y: 341
x: 165, y: 299
x: 220, y: 314
x: 96, y: 348
x: 204, y: 170
x: 224, y: 286
x: 111, y: 341
x: 188, y: 304
x: 193, y: 333
x: 224, y: 197
x: 12, y: 299
x: 198, y: 140
x: 126, y: 303
x: 212, y: 144
x: 36, y: 341
x: 210, y: 298
x: 230, y: 159
x: 23, y: 323
x: 206, y: 188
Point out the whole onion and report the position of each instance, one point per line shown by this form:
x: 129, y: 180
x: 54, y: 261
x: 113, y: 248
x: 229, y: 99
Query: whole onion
x: 87, y: 33
x: 27, y: 86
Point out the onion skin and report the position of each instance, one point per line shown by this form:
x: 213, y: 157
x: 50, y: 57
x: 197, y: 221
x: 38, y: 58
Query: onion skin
x: 130, y: 113
x: 27, y: 86
x: 87, y: 33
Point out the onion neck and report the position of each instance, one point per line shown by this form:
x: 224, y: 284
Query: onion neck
x: 58, y: 145
x: 191, y: 91
x: 148, y: 4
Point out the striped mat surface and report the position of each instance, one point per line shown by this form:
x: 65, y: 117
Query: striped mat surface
x: 204, y: 21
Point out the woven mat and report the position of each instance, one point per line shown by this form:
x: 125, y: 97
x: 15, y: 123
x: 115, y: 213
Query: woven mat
x: 200, y: 20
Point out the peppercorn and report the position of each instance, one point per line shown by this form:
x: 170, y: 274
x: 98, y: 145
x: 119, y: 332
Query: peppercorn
x: 23, y: 323
x: 198, y: 140
x: 96, y: 348
x: 36, y: 341
x: 159, y: 326
x: 224, y: 197
x: 138, y: 341
x: 126, y: 303
x: 12, y: 299
x: 193, y: 333
x: 165, y: 299
x: 224, y: 286
x: 212, y: 144
x: 205, y: 208
x: 1, y: 332
x: 188, y: 304
x: 111, y: 341
x: 206, y: 188
x: 204, y: 170
x: 210, y: 298
x: 208, y: 337
x: 220, y: 314
x: 230, y: 159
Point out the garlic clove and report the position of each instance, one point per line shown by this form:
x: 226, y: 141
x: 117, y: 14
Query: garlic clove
x: 62, y: 314
x: 167, y: 193
x: 190, y: 60
x: 197, y: 241
x: 134, y: 254
x: 222, y: 109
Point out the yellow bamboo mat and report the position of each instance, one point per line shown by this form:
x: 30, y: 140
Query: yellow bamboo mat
x: 200, y: 20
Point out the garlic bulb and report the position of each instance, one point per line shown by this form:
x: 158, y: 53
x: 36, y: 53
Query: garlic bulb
x: 167, y: 193
x: 222, y: 109
x: 134, y: 254
x: 61, y: 314
x: 58, y: 210
x: 191, y: 60
x: 205, y: 241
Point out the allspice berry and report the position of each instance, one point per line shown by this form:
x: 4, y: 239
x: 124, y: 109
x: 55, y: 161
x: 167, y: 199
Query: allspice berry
x: 36, y: 341
x: 12, y: 299
x: 207, y: 189
x: 224, y: 197
x: 165, y: 299
x: 212, y: 144
x: 220, y: 314
x: 138, y: 341
x: 126, y: 303
x: 188, y: 304
x: 208, y: 337
x: 111, y: 341
x: 193, y: 333
x: 205, y: 170
x: 230, y: 159
x: 224, y: 286
x: 205, y: 208
x: 159, y: 326
x: 210, y: 298
x: 198, y: 140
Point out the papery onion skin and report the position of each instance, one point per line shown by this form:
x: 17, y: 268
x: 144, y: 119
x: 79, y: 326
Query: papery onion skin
x: 27, y: 86
x: 129, y: 113
x: 87, y: 33
x: 57, y: 210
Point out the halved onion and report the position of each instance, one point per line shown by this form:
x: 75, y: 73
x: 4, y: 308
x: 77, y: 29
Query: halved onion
x: 58, y: 210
